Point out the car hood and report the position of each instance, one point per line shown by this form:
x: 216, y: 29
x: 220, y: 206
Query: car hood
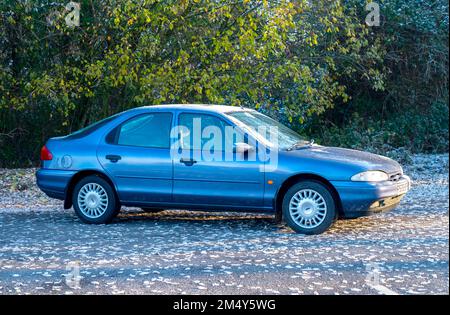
x: 365, y: 160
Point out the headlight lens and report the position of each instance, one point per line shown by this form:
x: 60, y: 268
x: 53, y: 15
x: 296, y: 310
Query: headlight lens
x: 370, y: 176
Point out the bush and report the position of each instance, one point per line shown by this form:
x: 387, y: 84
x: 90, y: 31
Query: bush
x: 409, y: 131
x: 303, y: 62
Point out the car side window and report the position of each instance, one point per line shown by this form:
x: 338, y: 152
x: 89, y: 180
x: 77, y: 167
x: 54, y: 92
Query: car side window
x: 147, y: 130
x: 215, y: 133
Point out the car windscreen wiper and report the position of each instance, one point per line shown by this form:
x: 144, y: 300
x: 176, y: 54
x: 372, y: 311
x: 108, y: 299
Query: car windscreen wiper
x: 300, y: 144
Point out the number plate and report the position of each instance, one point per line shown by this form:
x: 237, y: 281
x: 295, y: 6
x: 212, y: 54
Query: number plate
x: 402, y: 188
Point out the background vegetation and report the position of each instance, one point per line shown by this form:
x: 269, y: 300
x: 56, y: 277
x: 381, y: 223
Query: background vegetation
x: 315, y: 65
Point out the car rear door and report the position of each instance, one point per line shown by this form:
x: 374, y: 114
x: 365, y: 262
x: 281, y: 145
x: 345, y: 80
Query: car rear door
x: 136, y: 154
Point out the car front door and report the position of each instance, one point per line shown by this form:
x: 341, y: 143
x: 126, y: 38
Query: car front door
x: 137, y: 155
x: 206, y: 173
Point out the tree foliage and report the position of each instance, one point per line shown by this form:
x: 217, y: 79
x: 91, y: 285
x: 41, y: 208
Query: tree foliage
x: 296, y: 60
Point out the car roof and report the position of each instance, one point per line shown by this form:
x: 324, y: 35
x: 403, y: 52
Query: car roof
x: 200, y: 107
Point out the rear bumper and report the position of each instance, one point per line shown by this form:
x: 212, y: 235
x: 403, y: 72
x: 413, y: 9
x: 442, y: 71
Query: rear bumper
x: 54, y: 182
x: 363, y: 198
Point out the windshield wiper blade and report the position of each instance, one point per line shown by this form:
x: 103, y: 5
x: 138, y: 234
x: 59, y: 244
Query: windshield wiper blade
x: 301, y: 144
x: 296, y: 145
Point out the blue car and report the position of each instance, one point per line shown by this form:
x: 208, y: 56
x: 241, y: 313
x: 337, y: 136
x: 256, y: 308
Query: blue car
x: 214, y: 157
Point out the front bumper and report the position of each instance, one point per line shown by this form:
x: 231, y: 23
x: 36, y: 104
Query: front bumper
x: 364, y: 198
x: 53, y: 182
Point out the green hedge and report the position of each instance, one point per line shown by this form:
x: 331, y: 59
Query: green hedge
x: 315, y: 65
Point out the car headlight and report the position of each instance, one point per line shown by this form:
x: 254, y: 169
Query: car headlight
x: 370, y: 176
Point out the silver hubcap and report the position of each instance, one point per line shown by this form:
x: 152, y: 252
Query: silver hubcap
x: 92, y: 200
x: 308, y: 208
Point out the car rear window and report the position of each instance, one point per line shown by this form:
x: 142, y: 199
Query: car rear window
x: 91, y: 128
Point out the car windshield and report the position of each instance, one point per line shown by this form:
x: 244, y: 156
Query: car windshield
x: 283, y: 137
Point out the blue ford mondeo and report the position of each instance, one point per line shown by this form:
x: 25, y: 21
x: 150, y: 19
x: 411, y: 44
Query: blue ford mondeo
x: 214, y: 157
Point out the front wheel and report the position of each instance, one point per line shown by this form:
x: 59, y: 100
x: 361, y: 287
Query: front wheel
x: 309, y: 208
x: 94, y: 200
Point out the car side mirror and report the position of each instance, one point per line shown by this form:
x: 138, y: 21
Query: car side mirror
x: 241, y: 147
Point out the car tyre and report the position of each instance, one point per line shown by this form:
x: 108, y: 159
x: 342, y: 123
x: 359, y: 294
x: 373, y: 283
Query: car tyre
x: 95, y: 201
x: 309, y: 208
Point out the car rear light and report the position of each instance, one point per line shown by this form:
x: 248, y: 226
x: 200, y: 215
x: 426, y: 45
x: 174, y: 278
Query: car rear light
x: 46, y: 155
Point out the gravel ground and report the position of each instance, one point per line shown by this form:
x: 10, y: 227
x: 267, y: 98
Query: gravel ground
x: 47, y: 250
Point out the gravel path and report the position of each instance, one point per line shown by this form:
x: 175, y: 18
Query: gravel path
x: 47, y: 250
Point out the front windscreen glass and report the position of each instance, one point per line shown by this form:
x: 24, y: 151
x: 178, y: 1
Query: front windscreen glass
x: 269, y: 129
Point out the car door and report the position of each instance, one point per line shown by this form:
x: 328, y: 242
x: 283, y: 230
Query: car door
x: 214, y: 175
x: 137, y: 155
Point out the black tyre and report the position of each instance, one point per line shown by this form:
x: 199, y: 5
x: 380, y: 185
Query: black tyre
x: 151, y: 210
x: 94, y: 200
x: 309, y: 208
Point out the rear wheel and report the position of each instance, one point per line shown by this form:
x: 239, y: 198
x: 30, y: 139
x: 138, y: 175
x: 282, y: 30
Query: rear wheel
x: 94, y: 200
x: 309, y: 208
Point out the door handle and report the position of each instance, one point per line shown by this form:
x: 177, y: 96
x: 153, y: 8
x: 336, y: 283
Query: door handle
x: 113, y: 158
x: 188, y: 162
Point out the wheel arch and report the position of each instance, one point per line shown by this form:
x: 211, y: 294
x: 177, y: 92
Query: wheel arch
x: 278, y: 201
x: 80, y: 175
